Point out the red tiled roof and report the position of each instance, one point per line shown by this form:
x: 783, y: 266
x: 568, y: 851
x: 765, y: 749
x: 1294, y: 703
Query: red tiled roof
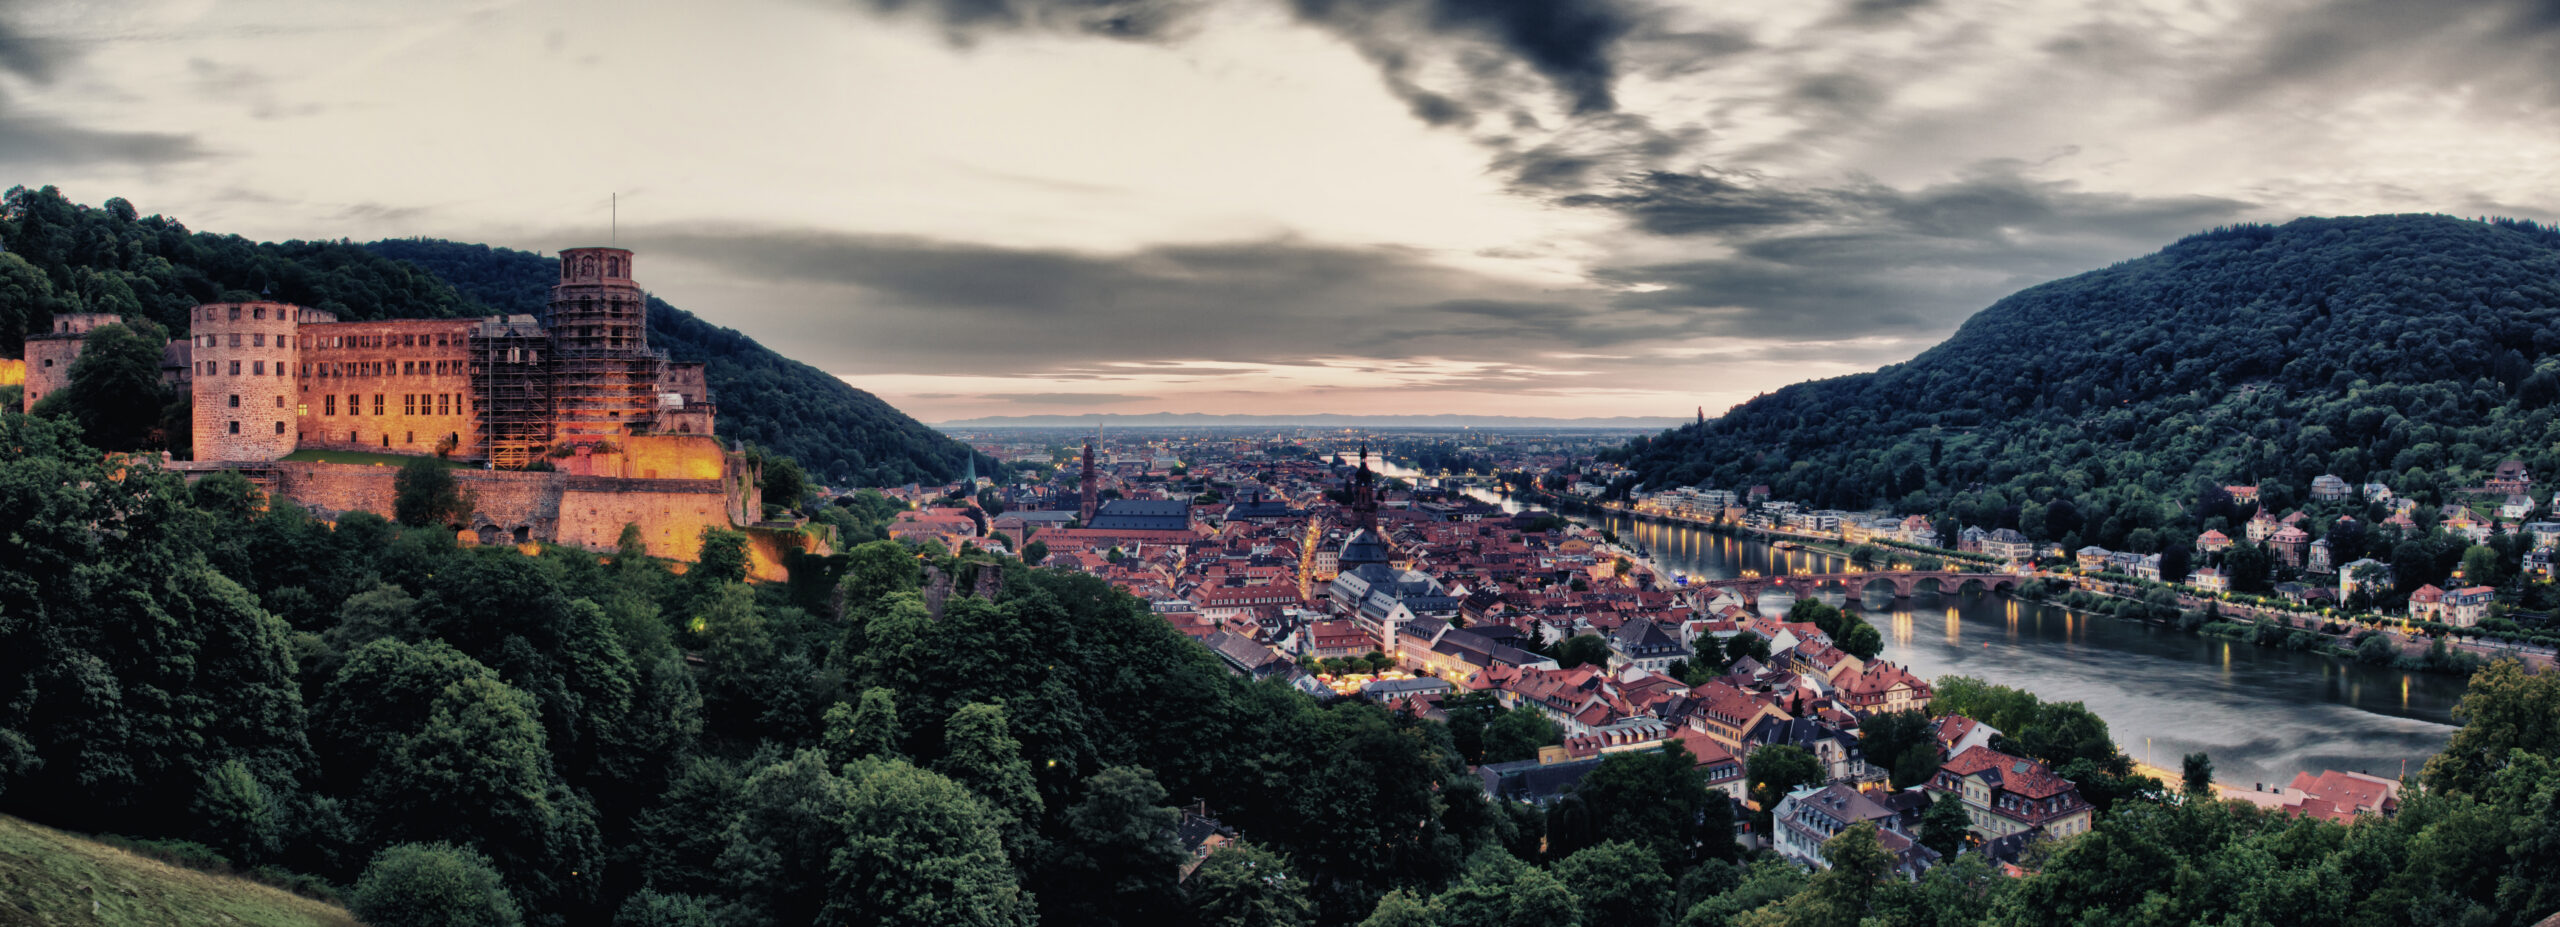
x: 2014, y: 774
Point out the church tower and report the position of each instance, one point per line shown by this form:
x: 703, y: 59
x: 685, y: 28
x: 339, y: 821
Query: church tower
x: 1364, y: 494
x: 1092, y: 485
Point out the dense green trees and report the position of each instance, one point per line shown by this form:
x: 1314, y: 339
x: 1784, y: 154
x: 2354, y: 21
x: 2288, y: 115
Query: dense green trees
x: 585, y: 739
x: 432, y: 885
x: 424, y: 493
x: 1657, y: 799
x: 1775, y: 770
x: 114, y: 391
x: 1243, y: 885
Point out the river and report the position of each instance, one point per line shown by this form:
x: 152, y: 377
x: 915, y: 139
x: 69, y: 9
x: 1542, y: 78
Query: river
x: 2263, y: 714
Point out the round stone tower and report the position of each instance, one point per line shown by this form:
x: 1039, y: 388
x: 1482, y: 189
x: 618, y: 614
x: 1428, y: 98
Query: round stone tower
x: 50, y: 353
x: 596, y: 308
x: 603, y: 371
x: 245, y: 400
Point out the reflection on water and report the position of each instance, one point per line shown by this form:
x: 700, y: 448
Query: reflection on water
x: 2263, y: 714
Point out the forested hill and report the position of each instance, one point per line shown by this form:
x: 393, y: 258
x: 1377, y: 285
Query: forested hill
x: 57, y: 256
x: 838, y: 433
x: 2413, y: 350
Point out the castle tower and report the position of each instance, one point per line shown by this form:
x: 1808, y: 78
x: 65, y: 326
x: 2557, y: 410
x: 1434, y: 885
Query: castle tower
x: 604, y: 376
x: 246, y: 403
x: 1092, y: 485
x: 50, y: 353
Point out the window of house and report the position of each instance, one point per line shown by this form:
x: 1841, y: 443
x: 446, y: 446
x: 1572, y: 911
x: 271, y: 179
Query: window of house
x: 235, y: 339
x: 235, y: 426
x: 235, y: 368
x: 329, y: 404
x: 279, y: 427
x: 279, y: 402
x: 258, y: 339
x: 235, y: 400
x: 258, y: 368
x: 408, y: 403
x: 413, y: 437
x: 377, y: 403
x: 355, y: 406
x: 235, y: 314
x: 441, y: 403
x: 258, y: 312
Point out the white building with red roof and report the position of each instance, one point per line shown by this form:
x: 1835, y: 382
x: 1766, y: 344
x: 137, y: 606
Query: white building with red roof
x: 2009, y: 795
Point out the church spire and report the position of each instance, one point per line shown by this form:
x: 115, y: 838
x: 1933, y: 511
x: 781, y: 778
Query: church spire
x: 1364, y: 493
x: 1091, y: 484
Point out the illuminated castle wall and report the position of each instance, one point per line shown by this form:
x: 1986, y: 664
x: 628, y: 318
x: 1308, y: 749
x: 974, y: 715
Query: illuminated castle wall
x: 269, y: 378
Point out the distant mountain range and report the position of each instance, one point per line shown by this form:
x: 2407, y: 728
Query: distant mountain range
x: 1321, y: 420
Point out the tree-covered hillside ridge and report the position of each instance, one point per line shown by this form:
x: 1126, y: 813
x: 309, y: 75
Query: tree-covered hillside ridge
x: 57, y: 257
x: 2417, y: 351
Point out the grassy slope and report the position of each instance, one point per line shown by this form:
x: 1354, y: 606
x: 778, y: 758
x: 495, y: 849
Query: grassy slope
x: 48, y: 877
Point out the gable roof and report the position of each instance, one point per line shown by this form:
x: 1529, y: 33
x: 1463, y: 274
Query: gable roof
x: 2009, y: 773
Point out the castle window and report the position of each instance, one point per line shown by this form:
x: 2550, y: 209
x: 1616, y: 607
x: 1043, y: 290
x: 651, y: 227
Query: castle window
x: 258, y: 368
x: 235, y: 426
x: 329, y: 404
x: 235, y: 339
x: 235, y: 400
x: 258, y: 339
x: 279, y: 427
x: 408, y: 403
x: 258, y: 313
x: 235, y: 368
x: 413, y: 437
x: 377, y: 403
x: 279, y: 402
x: 235, y: 315
x: 355, y: 406
x: 442, y: 403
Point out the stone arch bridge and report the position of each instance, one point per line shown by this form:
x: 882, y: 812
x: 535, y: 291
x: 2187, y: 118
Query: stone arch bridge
x: 1856, y: 585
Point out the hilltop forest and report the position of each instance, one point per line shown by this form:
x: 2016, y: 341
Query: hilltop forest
x: 57, y: 256
x: 2413, y: 351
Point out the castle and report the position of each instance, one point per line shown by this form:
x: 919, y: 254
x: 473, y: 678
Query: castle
x: 581, y: 427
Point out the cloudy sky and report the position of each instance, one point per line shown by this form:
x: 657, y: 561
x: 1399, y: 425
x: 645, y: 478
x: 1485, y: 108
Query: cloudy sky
x: 1535, y: 207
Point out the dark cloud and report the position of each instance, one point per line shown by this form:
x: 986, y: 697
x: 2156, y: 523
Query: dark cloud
x: 34, y: 58
x: 2351, y: 46
x: 35, y: 140
x: 1800, y: 262
x: 1880, y: 11
x: 903, y: 304
x: 964, y: 20
x: 44, y: 141
x: 1493, y: 50
x: 1672, y: 203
